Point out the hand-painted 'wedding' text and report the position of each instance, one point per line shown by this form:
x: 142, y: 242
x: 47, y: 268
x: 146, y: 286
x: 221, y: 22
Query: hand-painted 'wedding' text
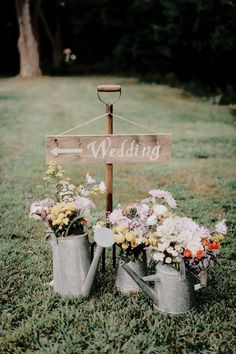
x: 78, y: 149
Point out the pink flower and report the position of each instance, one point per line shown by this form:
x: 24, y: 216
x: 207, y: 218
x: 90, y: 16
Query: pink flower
x: 40, y: 207
x: 84, y: 204
x: 39, y: 210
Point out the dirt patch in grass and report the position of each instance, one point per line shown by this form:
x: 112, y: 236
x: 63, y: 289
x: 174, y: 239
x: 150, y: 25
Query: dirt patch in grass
x: 203, y: 186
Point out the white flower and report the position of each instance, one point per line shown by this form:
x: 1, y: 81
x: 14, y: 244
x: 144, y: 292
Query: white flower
x: 124, y: 222
x: 67, y: 191
x: 170, y: 249
x: 90, y: 179
x: 67, y: 51
x: 142, y: 210
x: 167, y: 196
x: 194, y: 246
x: 174, y: 253
x: 139, y: 239
x: 221, y: 227
x: 116, y: 216
x: 178, y: 248
x: 160, y: 209
x: 161, y: 247
x: 151, y: 220
x: 168, y: 260
x: 158, y: 256
x: 204, y: 231
x: 84, y: 192
x: 102, y: 187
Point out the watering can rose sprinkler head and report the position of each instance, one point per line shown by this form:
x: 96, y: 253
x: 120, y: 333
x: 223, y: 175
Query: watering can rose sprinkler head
x: 104, y: 237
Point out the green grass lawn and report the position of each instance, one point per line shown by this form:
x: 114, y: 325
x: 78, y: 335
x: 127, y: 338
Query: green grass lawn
x: 201, y: 177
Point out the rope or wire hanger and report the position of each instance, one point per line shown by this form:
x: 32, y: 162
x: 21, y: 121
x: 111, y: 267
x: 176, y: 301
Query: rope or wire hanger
x: 135, y: 123
x: 83, y: 124
x: 114, y: 115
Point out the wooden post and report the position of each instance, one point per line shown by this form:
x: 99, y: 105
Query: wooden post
x: 109, y: 177
x: 109, y: 166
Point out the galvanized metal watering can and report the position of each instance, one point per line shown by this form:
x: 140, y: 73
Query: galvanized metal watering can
x: 173, y: 292
x: 73, y: 271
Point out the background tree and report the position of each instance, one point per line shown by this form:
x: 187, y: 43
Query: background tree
x: 27, y: 12
x: 49, y: 25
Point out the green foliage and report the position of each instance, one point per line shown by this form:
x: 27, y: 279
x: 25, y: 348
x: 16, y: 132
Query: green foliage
x: 190, y: 42
x: 201, y: 177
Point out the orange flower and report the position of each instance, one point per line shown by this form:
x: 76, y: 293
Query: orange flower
x: 205, y: 242
x: 84, y: 221
x: 187, y: 253
x: 214, y: 246
x: 200, y: 254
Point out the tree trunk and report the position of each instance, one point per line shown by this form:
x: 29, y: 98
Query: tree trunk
x: 53, y: 36
x: 27, y: 42
x: 56, y: 51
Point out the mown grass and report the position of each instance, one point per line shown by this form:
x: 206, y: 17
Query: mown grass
x: 201, y: 176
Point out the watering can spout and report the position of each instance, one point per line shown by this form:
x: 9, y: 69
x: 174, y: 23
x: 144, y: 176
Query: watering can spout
x: 88, y: 283
x: 147, y: 290
x: 104, y: 238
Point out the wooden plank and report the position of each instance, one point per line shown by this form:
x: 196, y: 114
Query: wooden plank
x: 92, y: 149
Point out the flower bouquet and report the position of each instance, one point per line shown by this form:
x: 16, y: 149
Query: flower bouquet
x: 180, y: 239
x: 135, y: 227
x: 65, y: 214
x: 67, y: 210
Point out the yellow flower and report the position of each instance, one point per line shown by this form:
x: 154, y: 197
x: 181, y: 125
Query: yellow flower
x: 120, y: 238
x: 218, y: 237
x: 133, y: 243
x: 145, y: 240
x: 117, y: 229
x: 55, y: 170
x: 130, y: 236
x: 66, y: 221
x: 125, y: 245
x: 59, y: 174
x: 152, y: 241
x: 95, y: 190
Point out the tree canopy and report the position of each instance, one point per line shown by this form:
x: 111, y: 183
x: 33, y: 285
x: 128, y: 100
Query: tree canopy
x: 190, y: 39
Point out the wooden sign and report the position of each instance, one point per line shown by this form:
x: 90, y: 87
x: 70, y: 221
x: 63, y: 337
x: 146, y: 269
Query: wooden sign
x: 79, y: 149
